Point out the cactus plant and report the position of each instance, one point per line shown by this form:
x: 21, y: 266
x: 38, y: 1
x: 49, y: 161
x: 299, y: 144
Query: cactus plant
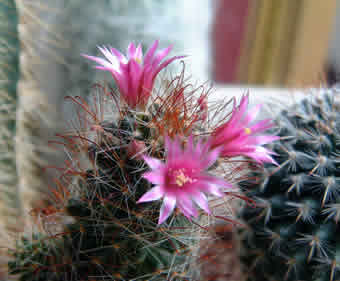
x: 104, y: 220
x: 292, y: 231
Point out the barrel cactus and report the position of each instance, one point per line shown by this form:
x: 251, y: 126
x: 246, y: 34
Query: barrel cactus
x: 292, y: 228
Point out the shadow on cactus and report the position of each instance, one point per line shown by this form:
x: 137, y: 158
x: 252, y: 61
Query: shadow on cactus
x: 132, y: 148
x: 293, y: 231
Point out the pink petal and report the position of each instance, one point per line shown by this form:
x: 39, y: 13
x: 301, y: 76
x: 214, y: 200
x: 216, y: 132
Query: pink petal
x: 201, y: 201
x: 109, y: 56
x: 262, y: 155
x: 211, y: 157
x: 161, y: 55
x: 258, y: 140
x: 131, y: 51
x: 150, y: 53
x: 199, y: 148
x: 190, y: 144
x: 252, y: 114
x: 154, y: 177
x: 261, y: 126
x: 218, y: 181
x: 153, y: 163
x: 186, y: 205
x: 165, y: 64
x: 123, y: 85
x: 119, y: 55
x: 212, y: 189
x: 184, y: 210
x: 213, y: 184
x: 139, y: 53
x: 243, y: 104
x: 173, y: 149
x: 147, y: 80
x: 103, y: 68
x: 167, y: 208
x: 135, y: 74
x: 152, y: 195
x: 99, y: 60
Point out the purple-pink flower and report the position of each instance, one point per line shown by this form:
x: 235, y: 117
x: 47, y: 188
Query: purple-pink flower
x: 240, y: 135
x: 134, y: 74
x: 183, y: 178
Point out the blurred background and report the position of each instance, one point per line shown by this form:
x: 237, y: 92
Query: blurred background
x: 289, y: 43
x: 271, y: 43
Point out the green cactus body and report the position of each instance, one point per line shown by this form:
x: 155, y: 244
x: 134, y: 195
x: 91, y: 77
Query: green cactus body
x: 103, y: 232
x: 293, y: 230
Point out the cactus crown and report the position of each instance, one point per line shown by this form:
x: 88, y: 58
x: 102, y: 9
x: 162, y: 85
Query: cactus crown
x: 292, y: 230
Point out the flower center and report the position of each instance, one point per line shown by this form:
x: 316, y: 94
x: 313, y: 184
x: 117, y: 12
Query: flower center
x: 247, y: 131
x: 138, y: 60
x: 181, y: 178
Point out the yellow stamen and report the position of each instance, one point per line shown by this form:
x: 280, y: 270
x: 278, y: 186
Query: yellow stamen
x: 248, y: 131
x: 138, y: 60
x: 181, y: 178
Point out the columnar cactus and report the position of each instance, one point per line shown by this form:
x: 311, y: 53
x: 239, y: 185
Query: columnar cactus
x: 293, y: 228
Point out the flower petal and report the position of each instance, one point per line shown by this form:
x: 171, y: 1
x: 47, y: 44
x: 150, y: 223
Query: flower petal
x: 173, y: 149
x: 166, y: 63
x: 212, y: 189
x: 100, y: 61
x: 167, y: 208
x: 252, y: 114
x: 161, y: 54
x: 258, y: 140
x: 186, y: 205
x: 243, y: 104
x: 139, y: 53
x: 261, y: 126
x: 202, y: 201
x: 152, y: 195
x: 109, y: 56
x: 119, y: 55
x: 211, y: 157
x: 155, y: 178
x: 150, y: 53
x: 153, y: 163
x: 131, y: 51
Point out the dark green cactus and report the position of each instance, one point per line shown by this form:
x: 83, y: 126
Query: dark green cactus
x: 103, y: 233
x: 293, y: 230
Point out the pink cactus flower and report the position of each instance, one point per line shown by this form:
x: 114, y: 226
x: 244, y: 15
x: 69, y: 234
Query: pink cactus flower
x: 240, y: 135
x: 183, y: 179
x: 134, y: 74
